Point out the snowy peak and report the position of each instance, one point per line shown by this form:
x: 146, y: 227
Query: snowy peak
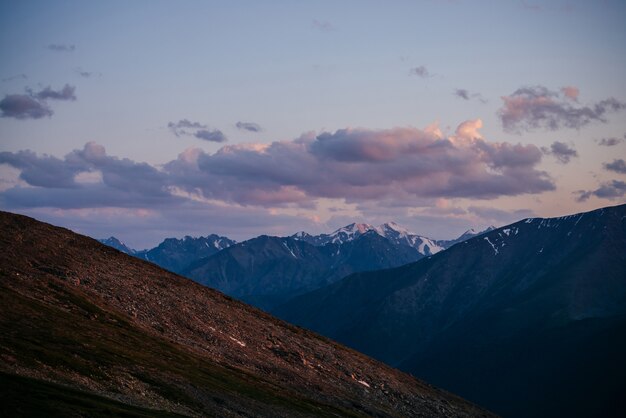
x: 349, y: 232
x: 118, y: 245
x: 393, y: 227
x: 395, y: 233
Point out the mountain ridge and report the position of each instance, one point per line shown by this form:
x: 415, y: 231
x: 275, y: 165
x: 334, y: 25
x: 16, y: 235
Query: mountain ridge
x: 443, y: 316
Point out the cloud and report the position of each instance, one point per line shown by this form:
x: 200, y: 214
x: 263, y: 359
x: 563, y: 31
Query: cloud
x: 182, y: 126
x: 22, y: 106
x: 34, y: 104
x: 420, y: 71
x: 531, y: 108
x: 351, y: 165
x: 462, y: 93
x: 15, y: 77
x: 248, y: 126
x: 66, y: 93
x: 571, y: 92
x: 466, y: 95
x: 55, y: 182
x: 618, y: 165
x: 61, y: 47
x: 611, y: 142
x: 210, y: 135
x: 323, y: 26
x: 561, y: 151
x: 86, y: 74
x: 185, y: 127
x: 610, y: 190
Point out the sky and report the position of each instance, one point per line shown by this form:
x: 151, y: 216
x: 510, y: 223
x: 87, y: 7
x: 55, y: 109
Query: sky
x: 154, y: 119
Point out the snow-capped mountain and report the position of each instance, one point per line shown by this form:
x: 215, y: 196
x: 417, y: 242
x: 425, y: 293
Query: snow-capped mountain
x: 391, y: 230
x: 175, y: 254
x: 118, y: 245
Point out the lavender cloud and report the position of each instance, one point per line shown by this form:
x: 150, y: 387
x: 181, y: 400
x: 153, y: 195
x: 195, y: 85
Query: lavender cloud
x: 210, y: 135
x: 248, y: 126
x: 23, y: 106
x: 420, y: 71
x: 466, y: 95
x: 618, y: 166
x: 611, y: 142
x: 61, y: 47
x: 532, y: 108
x: 183, y: 126
x: 323, y: 26
x: 353, y: 165
x: 610, y: 190
x: 462, y: 93
x: 15, y: 77
x: 561, y: 151
x: 33, y: 105
x: 66, y: 93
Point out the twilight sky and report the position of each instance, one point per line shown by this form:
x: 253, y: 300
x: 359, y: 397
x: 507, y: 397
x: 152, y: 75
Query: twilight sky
x: 149, y: 119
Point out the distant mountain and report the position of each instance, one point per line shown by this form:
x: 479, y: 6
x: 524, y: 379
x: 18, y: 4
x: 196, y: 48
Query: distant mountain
x: 527, y: 319
x: 392, y: 231
x: 267, y: 271
x: 175, y: 254
x: 86, y: 330
x: 470, y: 233
x: 118, y: 245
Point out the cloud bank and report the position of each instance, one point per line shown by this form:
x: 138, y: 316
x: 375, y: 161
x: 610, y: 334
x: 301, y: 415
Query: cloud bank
x: 354, y: 165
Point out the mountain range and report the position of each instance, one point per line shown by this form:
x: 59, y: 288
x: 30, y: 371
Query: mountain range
x: 268, y: 271
x: 86, y: 330
x: 528, y: 319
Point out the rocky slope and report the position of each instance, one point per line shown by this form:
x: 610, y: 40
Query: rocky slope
x: 88, y: 330
x: 528, y: 319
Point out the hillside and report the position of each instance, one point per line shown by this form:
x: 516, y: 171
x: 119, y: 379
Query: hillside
x: 527, y: 319
x: 86, y: 329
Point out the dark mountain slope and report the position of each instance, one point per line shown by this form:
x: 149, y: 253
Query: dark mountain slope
x: 518, y: 319
x: 117, y: 330
x: 176, y: 254
x: 267, y: 271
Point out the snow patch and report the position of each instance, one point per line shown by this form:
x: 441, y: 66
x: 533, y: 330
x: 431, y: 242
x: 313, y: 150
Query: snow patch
x: 495, y: 250
x: 289, y: 249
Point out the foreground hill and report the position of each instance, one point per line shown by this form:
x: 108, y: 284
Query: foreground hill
x: 528, y: 319
x: 88, y: 330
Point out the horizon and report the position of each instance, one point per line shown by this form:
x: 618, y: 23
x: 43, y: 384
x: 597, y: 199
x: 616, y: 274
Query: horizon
x: 237, y: 241
x: 151, y: 120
